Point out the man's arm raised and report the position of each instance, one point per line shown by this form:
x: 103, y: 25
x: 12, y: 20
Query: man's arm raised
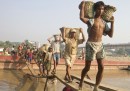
x: 82, y: 16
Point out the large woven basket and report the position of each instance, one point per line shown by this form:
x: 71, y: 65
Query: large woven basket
x: 89, y: 10
x: 108, y: 12
x: 44, y: 47
x: 67, y: 31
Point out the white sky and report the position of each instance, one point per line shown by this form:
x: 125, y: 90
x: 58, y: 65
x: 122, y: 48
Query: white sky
x: 36, y: 20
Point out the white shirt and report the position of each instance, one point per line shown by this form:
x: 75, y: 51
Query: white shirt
x: 56, y: 46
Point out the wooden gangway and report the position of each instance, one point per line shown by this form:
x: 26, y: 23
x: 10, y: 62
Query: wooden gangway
x: 102, y: 86
x: 74, y: 85
x: 31, y: 69
x: 34, y: 74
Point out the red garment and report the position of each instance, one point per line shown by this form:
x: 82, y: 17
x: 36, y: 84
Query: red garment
x: 67, y: 89
x: 30, y: 54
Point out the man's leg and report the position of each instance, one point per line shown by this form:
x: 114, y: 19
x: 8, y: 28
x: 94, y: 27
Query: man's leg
x: 54, y: 69
x: 66, y: 75
x: 68, y: 68
x: 54, y: 60
x: 57, y: 57
x: 99, y: 74
x: 43, y: 69
x: 84, y: 72
x: 40, y: 70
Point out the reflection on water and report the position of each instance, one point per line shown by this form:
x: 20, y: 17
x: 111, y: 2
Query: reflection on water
x: 118, y: 78
x: 6, y: 86
x: 13, y: 80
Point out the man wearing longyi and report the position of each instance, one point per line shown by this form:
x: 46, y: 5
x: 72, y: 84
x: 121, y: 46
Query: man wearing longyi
x: 94, y: 46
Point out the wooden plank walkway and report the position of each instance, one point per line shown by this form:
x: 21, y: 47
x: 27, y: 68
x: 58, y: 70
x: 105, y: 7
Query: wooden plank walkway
x: 34, y: 74
x: 73, y: 85
x: 31, y: 69
x: 102, y: 86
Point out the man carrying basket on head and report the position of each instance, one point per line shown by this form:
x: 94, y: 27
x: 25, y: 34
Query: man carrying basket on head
x: 94, y: 46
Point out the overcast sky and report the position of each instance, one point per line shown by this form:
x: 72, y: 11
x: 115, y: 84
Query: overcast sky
x: 36, y: 20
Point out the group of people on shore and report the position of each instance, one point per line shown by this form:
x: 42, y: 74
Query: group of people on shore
x: 94, y: 46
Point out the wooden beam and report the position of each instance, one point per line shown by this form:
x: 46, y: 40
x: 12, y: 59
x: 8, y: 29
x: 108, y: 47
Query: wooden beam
x: 74, y: 86
x: 102, y: 86
x: 71, y: 85
x: 31, y: 69
x: 34, y: 74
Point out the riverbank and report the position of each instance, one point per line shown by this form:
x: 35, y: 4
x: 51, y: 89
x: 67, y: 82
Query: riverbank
x: 12, y: 62
x: 10, y: 80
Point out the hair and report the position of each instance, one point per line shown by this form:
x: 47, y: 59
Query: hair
x: 70, y: 34
x: 98, y: 4
x: 49, y: 48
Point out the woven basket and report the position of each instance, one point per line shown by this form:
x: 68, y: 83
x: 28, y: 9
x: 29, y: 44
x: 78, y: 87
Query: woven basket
x: 44, y: 48
x: 67, y: 31
x: 88, y: 9
x: 108, y: 12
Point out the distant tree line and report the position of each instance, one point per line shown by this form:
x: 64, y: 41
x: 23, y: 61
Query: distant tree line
x: 6, y: 44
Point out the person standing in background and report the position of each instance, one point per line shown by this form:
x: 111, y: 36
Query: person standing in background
x: 55, y: 44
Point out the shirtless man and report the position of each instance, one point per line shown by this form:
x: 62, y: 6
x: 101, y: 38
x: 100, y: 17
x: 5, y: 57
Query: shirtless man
x: 94, y: 47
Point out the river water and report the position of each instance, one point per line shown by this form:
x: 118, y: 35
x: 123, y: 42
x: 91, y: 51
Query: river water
x: 16, y: 80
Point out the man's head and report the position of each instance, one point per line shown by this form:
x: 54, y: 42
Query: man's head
x: 99, y: 7
x: 50, y: 49
x: 56, y: 37
x: 72, y: 33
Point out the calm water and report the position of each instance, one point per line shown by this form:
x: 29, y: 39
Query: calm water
x: 13, y: 80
